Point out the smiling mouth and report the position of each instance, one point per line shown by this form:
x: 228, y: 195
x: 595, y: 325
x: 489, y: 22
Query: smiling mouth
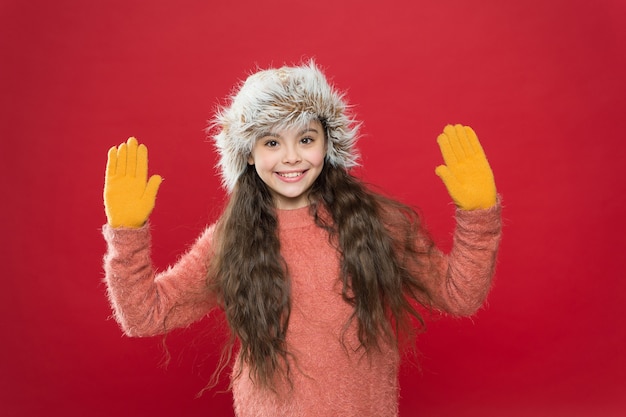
x: 290, y: 174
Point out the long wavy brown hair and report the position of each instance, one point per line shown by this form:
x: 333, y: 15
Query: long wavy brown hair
x: 381, y: 269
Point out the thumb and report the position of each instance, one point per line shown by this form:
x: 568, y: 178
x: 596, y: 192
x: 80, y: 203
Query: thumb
x: 153, y: 187
x: 445, y: 174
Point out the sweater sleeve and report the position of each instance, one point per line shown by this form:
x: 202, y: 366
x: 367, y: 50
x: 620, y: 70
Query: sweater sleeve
x: 146, y: 302
x: 458, y: 283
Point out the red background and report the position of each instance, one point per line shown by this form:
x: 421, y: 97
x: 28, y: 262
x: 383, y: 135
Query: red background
x: 542, y: 82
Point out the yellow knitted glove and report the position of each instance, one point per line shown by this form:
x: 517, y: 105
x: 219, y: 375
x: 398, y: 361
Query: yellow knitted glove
x: 128, y: 194
x: 466, y: 173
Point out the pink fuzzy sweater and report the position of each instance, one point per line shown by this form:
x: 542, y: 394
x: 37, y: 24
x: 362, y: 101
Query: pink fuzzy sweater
x: 329, y: 379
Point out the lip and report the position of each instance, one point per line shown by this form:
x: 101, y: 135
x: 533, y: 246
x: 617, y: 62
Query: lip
x: 291, y: 176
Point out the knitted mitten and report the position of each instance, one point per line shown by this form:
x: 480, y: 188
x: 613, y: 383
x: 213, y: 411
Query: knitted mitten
x: 466, y: 173
x: 129, y: 196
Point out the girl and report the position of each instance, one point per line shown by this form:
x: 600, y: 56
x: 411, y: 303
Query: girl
x: 320, y: 278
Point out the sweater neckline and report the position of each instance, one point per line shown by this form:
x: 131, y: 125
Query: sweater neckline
x: 289, y: 219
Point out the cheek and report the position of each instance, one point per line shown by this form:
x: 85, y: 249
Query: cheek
x: 259, y: 159
x: 318, y: 158
x: 265, y: 165
x: 320, y: 161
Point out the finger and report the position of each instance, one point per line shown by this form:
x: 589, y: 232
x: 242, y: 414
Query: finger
x: 121, y: 159
x: 111, y: 162
x: 446, y: 150
x: 153, y: 187
x: 463, y: 140
x: 472, y: 138
x: 131, y: 161
x: 142, y: 163
x: 450, y: 132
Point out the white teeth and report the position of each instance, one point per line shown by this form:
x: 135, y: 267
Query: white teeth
x: 290, y: 174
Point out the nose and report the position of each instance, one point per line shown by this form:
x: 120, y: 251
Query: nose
x: 291, y: 155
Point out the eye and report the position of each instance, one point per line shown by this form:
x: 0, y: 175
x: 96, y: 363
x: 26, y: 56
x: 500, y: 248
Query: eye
x: 271, y: 143
x: 306, y: 140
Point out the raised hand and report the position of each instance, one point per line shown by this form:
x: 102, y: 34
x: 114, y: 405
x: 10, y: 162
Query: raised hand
x: 129, y: 196
x: 466, y: 173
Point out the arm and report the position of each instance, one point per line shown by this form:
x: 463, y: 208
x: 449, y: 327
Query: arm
x: 145, y: 302
x: 462, y: 279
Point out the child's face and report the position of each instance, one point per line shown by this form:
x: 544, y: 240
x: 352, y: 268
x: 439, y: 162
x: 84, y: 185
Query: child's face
x: 289, y: 161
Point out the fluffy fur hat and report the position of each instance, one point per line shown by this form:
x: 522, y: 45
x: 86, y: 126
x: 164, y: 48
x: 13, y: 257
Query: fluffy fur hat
x: 277, y: 98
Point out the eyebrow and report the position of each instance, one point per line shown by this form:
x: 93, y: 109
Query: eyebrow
x: 276, y: 135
